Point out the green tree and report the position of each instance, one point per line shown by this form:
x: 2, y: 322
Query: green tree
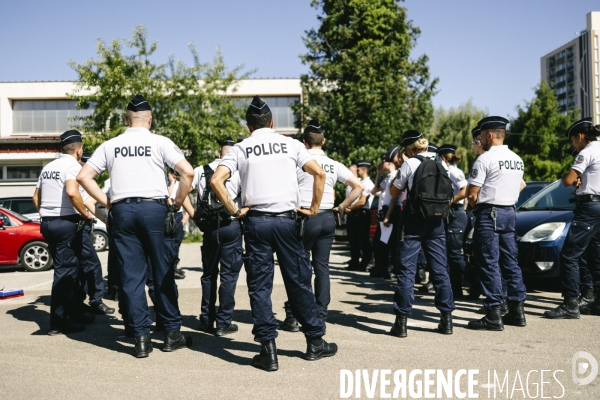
x: 538, y: 135
x: 454, y: 126
x: 188, y: 104
x: 362, y: 85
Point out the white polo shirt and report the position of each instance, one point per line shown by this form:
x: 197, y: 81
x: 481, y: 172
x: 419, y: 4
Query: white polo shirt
x: 335, y: 172
x: 232, y: 184
x: 587, y: 163
x: 386, y: 184
x: 457, y: 177
x: 267, y: 164
x: 368, y: 185
x: 52, y: 183
x: 498, y: 172
x: 136, y: 162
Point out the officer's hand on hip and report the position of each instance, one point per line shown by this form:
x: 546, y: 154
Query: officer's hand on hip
x: 340, y: 211
x: 306, y: 212
x: 243, y: 212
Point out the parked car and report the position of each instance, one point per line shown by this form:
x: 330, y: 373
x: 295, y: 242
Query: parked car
x: 532, y: 188
x: 542, y: 225
x: 24, y: 206
x: 21, y: 243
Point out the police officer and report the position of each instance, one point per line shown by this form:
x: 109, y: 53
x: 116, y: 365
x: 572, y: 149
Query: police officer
x: 57, y: 198
x: 359, y: 218
x: 135, y: 161
x: 494, y: 187
x: 417, y: 233
x: 320, y: 229
x: 585, y: 227
x: 456, y: 225
x: 222, y: 243
x: 267, y: 164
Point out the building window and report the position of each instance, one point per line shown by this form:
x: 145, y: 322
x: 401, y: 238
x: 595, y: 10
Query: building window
x: 283, y: 115
x: 20, y: 172
x: 46, y: 116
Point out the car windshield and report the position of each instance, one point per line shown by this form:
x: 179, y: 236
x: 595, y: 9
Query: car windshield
x: 528, y: 192
x: 553, y: 197
x: 16, y: 215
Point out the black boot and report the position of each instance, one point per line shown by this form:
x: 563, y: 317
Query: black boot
x: 421, y: 278
x: 399, y: 328
x: 427, y: 288
x: 504, y: 307
x: 445, y: 325
x: 289, y: 324
x: 569, y: 309
x: 595, y: 308
x: 515, y: 315
x: 491, y: 322
x: 267, y: 359
x: 143, y: 346
x: 586, y: 300
x: 472, y: 276
x: 175, y: 341
x: 318, y: 348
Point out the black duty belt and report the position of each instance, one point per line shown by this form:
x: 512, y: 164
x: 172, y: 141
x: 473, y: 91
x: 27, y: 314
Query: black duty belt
x: 456, y: 206
x: 485, y: 206
x: 71, y: 218
x: 321, y: 210
x: 586, y: 198
x: 360, y: 210
x: 139, y: 199
x: 285, y: 214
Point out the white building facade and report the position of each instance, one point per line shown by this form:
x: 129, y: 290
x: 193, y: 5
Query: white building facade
x: 34, y: 114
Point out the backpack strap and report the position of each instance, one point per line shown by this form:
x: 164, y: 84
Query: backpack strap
x: 208, y: 173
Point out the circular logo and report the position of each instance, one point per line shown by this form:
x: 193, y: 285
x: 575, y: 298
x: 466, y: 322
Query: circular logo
x: 474, y: 173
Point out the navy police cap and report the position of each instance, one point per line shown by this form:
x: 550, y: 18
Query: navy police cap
x: 447, y: 148
x: 228, y: 142
x: 363, y: 163
x: 71, y: 136
x: 391, y: 153
x: 313, y: 127
x: 85, y: 156
x: 432, y: 148
x: 492, y: 123
x: 138, y: 103
x: 572, y: 151
x: 257, y: 106
x: 579, y: 126
x: 410, y: 136
x: 476, y: 131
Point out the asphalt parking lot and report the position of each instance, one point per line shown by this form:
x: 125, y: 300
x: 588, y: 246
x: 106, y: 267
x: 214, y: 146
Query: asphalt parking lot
x: 99, y: 362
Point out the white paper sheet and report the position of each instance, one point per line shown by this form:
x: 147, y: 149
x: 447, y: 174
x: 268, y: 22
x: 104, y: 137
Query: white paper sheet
x: 386, y: 231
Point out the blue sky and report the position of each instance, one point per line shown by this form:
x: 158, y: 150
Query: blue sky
x: 487, y: 51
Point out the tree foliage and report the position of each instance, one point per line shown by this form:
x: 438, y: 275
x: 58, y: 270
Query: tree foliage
x: 362, y: 85
x: 538, y: 136
x: 187, y: 102
x: 454, y: 126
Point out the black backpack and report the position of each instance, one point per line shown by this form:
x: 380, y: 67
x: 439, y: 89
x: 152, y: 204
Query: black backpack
x: 210, y: 211
x: 431, y: 191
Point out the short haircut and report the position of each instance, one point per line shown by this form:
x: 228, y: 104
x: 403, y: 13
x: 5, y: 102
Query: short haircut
x: 498, y: 133
x: 591, y: 133
x: 71, y: 148
x: 257, y: 121
x: 313, y: 139
x: 224, y: 150
x: 134, y: 115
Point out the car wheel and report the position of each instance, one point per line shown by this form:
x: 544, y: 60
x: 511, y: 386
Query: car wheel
x: 36, y: 257
x: 100, y: 241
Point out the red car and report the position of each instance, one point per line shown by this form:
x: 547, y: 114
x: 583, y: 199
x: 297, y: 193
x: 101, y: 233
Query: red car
x: 21, y: 243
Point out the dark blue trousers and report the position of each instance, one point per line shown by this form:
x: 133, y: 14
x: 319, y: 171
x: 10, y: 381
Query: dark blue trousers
x: 454, y: 244
x: 139, y: 233
x: 174, y: 242
x: 265, y: 235
x: 318, y: 238
x: 429, y: 236
x: 91, y: 269
x: 64, y: 244
x: 224, y: 246
x: 359, y: 222
x: 496, y: 249
x: 583, y: 233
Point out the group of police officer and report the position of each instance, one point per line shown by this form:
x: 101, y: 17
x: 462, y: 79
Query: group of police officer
x: 292, y: 214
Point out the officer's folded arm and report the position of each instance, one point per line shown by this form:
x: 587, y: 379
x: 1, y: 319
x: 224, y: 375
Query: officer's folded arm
x: 217, y: 182
x: 72, y: 189
x: 313, y: 168
x: 357, y: 189
x: 571, y: 178
x: 186, y: 176
x: 473, y: 194
x: 86, y: 179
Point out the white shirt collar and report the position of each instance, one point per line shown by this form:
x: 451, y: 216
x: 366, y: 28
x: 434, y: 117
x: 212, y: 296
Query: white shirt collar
x: 497, y: 148
x: 262, y: 131
x: 316, y: 152
x: 137, y: 129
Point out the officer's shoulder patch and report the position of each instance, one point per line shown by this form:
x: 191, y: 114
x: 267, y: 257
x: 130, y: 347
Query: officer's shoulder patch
x: 579, y: 159
x: 474, y: 173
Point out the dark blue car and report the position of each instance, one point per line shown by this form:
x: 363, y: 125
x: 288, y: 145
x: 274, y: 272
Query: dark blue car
x: 542, y: 225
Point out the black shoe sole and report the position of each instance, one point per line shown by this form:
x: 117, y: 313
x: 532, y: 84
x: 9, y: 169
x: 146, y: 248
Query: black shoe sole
x: 187, y: 342
x: 315, y: 357
x: 268, y: 368
x: 143, y: 354
x: 566, y: 316
x: 487, y: 328
x: 296, y: 329
x: 399, y: 335
x: 225, y: 333
x: 444, y: 332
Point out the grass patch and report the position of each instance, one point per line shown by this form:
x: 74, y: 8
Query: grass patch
x: 193, y: 238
